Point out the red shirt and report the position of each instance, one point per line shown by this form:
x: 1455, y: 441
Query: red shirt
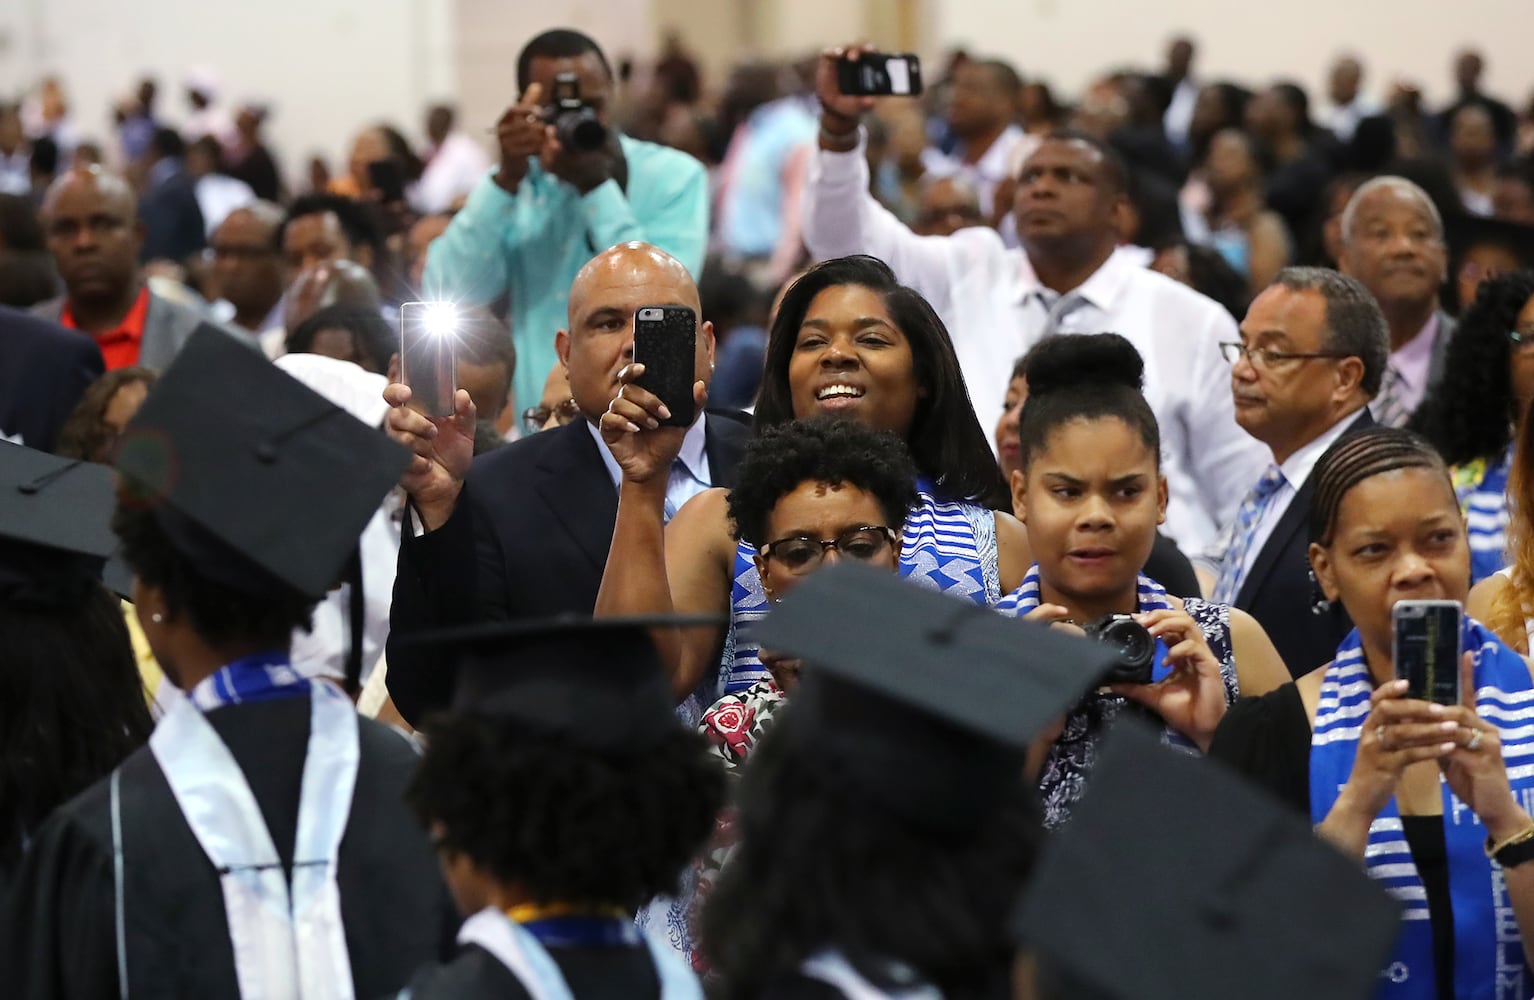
x: 119, y: 346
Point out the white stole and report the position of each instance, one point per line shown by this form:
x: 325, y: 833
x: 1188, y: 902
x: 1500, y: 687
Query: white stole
x: 831, y: 967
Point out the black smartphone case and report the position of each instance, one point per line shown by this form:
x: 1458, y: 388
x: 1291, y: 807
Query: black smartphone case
x: 667, y: 348
x: 850, y: 79
x: 1427, y: 651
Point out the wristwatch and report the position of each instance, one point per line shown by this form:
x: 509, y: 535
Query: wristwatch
x: 1513, y: 851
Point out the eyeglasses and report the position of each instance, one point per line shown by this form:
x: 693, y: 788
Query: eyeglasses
x: 536, y: 418
x: 801, y: 554
x: 1268, y: 360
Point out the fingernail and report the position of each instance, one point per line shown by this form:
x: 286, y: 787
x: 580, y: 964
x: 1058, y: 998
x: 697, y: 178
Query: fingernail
x: 1435, y: 709
x: 651, y: 423
x: 665, y: 414
x: 1398, y: 685
x: 1447, y: 747
x: 1448, y: 727
x: 631, y: 427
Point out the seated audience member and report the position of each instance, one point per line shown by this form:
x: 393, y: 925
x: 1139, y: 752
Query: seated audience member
x: 325, y: 228
x: 1090, y: 491
x: 26, y: 271
x: 1513, y: 198
x: 455, y: 163
x: 71, y: 705
x: 1279, y: 118
x: 848, y: 341
x: 255, y: 756
x: 487, y: 366
x: 889, y: 794
x: 248, y: 157
x: 1245, y: 857
x: 44, y: 371
x: 737, y: 310
x: 94, y: 235
x: 218, y: 194
x: 981, y: 114
x: 346, y: 333
x: 1393, y: 243
x: 99, y: 419
x: 1473, y: 415
x: 1484, y: 248
x: 1468, y: 67
x: 1422, y: 794
x: 1202, y: 269
x: 248, y: 268
x: 417, y: 242
x: 174, y: 227
x: 947, y: 205
x: 1505, y: 600
x: 1348, y: 104
x: 524, y: 531
x: 1067, y: 278
x: 1313, y: 350
x: 555, y: 408
x: 1473, y: 158
x: 337, y: 283
x: 561, y: 795
x: 535, y: 221
x: 1166, y: 564
x: 1231, y: 215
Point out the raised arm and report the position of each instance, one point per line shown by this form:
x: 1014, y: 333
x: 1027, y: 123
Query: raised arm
x: 667, y: 207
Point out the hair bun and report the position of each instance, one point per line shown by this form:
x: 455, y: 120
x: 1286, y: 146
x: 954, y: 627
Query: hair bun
x: 1075, y: 360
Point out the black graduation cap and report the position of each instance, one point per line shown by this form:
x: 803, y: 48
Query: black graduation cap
x: 1176, y: 879
x: 597, y: 681
x: 260, y: 481
x: 55, y: 526
x: 925, y: 701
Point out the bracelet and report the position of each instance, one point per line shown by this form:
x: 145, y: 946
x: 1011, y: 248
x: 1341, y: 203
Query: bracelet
x: 1523, y: 836
x: 848, y: 139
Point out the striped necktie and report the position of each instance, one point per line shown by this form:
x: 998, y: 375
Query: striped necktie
x: 1056, y: 314
x: 1233, y: 565
x: 1389, y: 407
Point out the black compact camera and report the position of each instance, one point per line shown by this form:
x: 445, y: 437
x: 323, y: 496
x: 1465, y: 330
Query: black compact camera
x: 576, y: 125
x: 1135, y: 646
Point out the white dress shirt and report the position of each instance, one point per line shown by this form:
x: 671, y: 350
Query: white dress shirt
x: 986, y: 173
x: 690, y: 474
x: 1343, y: 119
x: 995, y: 309
x: 218, y: 195
x: 1179, y: 112
x: 451, y: 173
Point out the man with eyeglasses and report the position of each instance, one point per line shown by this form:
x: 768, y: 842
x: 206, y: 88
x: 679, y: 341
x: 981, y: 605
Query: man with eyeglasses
x: 1312, y: 354
x: 249, y: 270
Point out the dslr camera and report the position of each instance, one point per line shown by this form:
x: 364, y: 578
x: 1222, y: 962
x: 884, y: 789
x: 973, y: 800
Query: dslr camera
x: 1135, y: 646
x: 576, y: 125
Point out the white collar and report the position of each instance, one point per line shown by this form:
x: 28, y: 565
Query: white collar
x: 1101, y: 289
x: 692, y: 454
x: 1299, y: 465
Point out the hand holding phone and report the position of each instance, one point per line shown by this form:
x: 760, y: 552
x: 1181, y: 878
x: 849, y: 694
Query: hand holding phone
x: 666, y: 343
x: 428, y: 355
x: 880, y: 74
x: 1426, y: 647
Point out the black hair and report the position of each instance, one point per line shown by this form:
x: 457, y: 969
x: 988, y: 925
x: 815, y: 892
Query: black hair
x: 1115, y: 170
x: 1362, y: 455
x: 1084, y: 377
x: 483, y: 339
x: 166, y: 143
x: 1355, y: 326
x: 372, y: 337
x: 401, y: 151
x: 1210, y: 274
x: 819, y: 869
x: 562, y: 822
x: 945, y: 436
x: 820, y: 450
x: 219, y: 614
x: 27, y: 277
x: 557, y: 43
x: 1298, y: 102
x: 1006, y: 75
x: 1470, y: 413
x: 209, y: 146
x: 355, y: 220
x: 72, y: 706
x: 45, y: 156
x: 20, y: 228
x: 85, y: 435
x: 1233, y: 100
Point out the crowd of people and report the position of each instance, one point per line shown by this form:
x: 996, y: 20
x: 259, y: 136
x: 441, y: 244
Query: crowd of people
x: 1016, y: 617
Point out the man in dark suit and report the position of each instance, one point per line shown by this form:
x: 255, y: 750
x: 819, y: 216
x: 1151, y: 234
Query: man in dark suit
x: 1312, y: 355
x: 94, y: 234
x: 44, y: 370
x: 1393, y: 242
x: 523, y: 532
x: 173, y: 222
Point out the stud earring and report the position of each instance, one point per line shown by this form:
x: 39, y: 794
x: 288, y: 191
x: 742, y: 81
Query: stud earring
x: 1319, y: 604
x: 157, y: 618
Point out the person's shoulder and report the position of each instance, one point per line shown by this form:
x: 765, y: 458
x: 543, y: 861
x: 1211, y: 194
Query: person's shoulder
x: 656, y: 162
x: 510, y: 463
x: 473, y: 972
x: 38, y: 330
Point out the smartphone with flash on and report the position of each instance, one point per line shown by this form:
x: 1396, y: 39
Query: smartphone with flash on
x: 1427, y: 642
x: 428, y: 355
x: 880, y: 74
x: 666, y: 343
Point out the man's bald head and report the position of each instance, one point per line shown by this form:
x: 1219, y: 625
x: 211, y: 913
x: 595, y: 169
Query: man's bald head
x: 632, y: 264
x: 93, y: 181
x: 91, y: 221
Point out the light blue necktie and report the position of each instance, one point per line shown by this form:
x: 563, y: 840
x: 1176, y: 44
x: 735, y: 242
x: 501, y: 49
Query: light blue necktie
x: 1233, y: 565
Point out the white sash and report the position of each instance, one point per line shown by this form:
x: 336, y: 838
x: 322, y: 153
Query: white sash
x: 539, y: 974
x: 830, y: 967
x: 284, y: 947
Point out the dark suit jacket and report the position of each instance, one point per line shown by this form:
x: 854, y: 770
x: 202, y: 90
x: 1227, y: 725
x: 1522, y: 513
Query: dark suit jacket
x: 528, y: 539
x: 44, y: 370
x: 173, y: 224
x: 1279, y: 594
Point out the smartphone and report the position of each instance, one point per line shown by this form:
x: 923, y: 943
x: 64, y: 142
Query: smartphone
x: 428, y: 355
x: 666, y: 343
x: 1427, y: 646
x: 388, y: 179
x: 880, y: 74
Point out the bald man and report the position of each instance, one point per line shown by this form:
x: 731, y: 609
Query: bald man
x: 249, y: 267
x: 94, y: 233
x: 523, y: 532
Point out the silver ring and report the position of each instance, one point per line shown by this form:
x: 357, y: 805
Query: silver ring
x: 1475, y: 740
x: 1379, y: 734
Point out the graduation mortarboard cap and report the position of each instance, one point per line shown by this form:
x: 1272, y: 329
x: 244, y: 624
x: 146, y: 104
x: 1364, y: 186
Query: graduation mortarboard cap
x: 926, y: 702
x: 55, y: 526
x: 599, y: 682
x: 261, y: 482
x: 1175, y: 879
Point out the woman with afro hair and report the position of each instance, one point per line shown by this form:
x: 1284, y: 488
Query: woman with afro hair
x: 1471, y: 416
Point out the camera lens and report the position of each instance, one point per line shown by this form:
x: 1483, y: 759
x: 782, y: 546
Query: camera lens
x: 1133, y: 643
x: 580, y: 131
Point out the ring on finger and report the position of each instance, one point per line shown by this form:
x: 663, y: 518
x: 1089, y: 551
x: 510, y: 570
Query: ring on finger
x: 1379, y: 735
x: 1475, y: 740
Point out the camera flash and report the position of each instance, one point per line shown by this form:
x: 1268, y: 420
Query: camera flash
x: 441, y: 319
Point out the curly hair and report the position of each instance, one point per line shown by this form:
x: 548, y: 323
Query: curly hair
x: 372, y: 340
x: 219, y: 614
x: 561, y: 821
x: 72, y: 707
x: 817, y: 868
x: 85, y: 434
x: 820, y: 450
x: 1471, y: 413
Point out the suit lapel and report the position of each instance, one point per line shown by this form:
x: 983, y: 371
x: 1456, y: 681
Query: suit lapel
x: 724, y: 441
x: 155, y: 350
x: 573, y: 481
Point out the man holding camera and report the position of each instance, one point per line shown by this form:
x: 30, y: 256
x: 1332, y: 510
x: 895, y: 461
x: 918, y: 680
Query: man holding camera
x: 568, y: 187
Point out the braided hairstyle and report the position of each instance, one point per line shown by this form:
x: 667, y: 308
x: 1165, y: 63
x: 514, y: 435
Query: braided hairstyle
x: 1363, y: 455
x: 1471, y: 413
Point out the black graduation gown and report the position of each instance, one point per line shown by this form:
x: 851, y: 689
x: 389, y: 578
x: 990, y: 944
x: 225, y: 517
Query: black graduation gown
x: 57, y: 928
x: 625, y: 973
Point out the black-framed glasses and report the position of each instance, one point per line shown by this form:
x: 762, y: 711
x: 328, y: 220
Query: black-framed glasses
x: 802, y: 554
x: 536, y: 418
x: 1266, y: 358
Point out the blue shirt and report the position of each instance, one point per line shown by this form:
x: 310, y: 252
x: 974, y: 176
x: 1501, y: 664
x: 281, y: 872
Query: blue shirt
x: 751, y: 209
x: 532, y: 243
